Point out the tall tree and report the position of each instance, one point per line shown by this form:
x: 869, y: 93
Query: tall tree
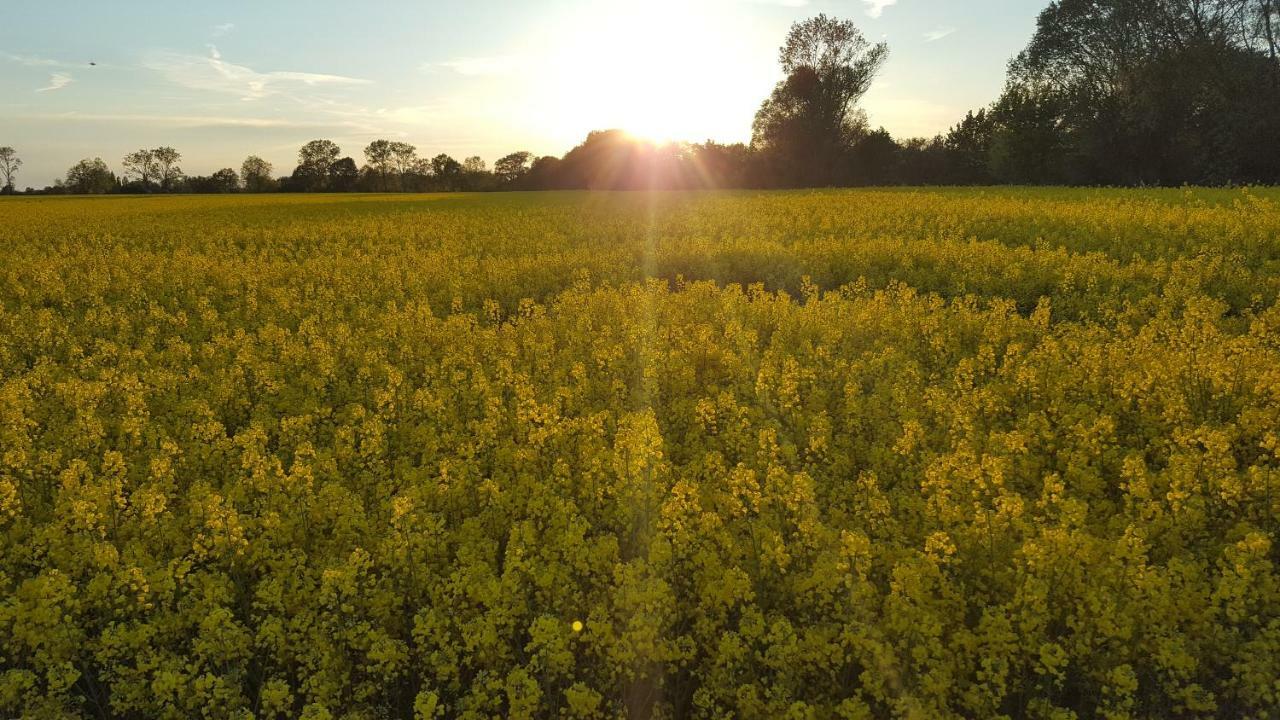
x: 378, y: 154
x: 403, y: 156
x: 1144, y: 91
x: 474, y: 164
x: 9, y: 164
x: 810, y: 121
x: 255, y: 174
x: 314, y: 160
x: 142, y: 164
x: 166, y: 163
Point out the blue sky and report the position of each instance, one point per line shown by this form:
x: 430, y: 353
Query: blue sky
x: 223, y: 80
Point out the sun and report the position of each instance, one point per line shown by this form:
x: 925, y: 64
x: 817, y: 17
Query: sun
x: 660, y: 70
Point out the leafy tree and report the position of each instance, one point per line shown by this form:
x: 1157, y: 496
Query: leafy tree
x: 343, y: 175
x: 255, y: 174
x: 446, y: 172
x: 810, y: 121
x: 378, y: 155
x: 1154, y: 92
x: 166, y: 166
x: 969, y: 145
x: 314, y: 160
x: 9, y: 164
x: 226, y: 181
x: 89, y: 177
x: 511, y: 168
x: 474, y: 164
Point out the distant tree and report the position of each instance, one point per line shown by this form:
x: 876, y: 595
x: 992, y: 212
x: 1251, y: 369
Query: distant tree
x: 544, y: 174
x: 255, y: 174
x: 378, y: 154
x: 474, y: 164
x: 141, y: 164
x: 166, y: 165
x: 403, y: 156
x: 716, y: 165
x: 343, y: 175
x: 314, y: 160
x: 446, y: 172
x: 226, y: 181
x: 90, y: 177
x: 969, y: 147
x: 9, y: 164
x: 874, y: 159
x: 512, y: 167
x: 810, y: 121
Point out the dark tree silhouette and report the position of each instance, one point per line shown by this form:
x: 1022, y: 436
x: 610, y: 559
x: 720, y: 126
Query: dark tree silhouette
x: 90, y: 177
x: 343, y: 175
x: 255, y: 174
x: 809, y: 123
x: 9, y: 164
x: 511, y: 168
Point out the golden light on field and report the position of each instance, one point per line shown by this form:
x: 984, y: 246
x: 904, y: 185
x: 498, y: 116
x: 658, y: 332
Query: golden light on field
x: 660, y: 70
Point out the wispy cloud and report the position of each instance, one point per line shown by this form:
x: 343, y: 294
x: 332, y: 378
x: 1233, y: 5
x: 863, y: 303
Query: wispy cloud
x: 938, y: 34
x: 189, y: 121
x: 32, y: 60
x: 57, y: 81
x: 223, y: 29
x: 477, y: 66
x: 875, y: 8
x: 213, y: 74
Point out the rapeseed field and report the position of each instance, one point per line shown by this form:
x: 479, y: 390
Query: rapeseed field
x: 833, y: 454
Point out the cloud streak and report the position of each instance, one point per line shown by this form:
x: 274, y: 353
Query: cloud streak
x: 938, y: 34
x: 477, y: 66
x: 57, y: 81
x: 213, y: 74
x: 33, y: 61
x: 875, y: 8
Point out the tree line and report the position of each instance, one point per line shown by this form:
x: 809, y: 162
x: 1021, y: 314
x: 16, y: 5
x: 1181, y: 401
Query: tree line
x: 1107, y: 92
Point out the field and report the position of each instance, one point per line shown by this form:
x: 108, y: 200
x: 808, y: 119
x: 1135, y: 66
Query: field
x: 857, y: 454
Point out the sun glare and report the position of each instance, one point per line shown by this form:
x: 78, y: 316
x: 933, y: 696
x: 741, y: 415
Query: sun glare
x: 661, y: 71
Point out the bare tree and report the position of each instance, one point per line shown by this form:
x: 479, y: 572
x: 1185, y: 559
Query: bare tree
x: 404, y: 155
x: 141, y: 163
x: 9, y: 164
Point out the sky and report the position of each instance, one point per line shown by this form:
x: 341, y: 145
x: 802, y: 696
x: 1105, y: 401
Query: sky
x: 220, y: 81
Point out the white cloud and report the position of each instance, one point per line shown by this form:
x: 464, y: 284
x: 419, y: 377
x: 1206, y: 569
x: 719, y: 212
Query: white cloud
x: 57, y: 81
x: 477, y: 66
x: 212, y: 73
x: 875, y: 8
x: 938, y: 34
x: 223, y: 29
